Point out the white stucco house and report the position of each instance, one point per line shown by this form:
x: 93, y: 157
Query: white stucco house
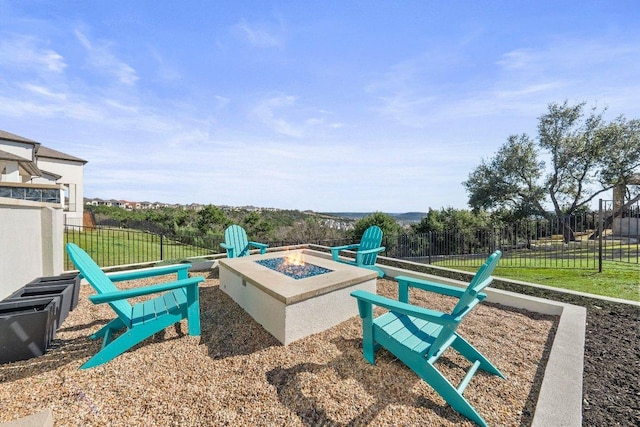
x: 40, y: 191
x: 24, y: 161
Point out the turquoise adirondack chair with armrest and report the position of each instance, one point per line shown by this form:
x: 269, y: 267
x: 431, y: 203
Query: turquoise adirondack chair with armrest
x: 419, y: 336
x: 366, y: 251
x: 179, y: 300
x: 237, y: 244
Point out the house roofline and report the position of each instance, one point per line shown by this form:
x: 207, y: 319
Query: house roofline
x: 17, y: 138
x: 29, y: 166
x: 49, y: 153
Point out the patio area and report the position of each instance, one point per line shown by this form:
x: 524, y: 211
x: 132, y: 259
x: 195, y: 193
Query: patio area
x: 236, y: 373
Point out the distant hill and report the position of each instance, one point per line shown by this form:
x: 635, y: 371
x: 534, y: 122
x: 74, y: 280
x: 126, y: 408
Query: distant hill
x: 400, y: 217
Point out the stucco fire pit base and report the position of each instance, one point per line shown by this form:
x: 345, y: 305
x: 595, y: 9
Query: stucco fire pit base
x: 291, y: 309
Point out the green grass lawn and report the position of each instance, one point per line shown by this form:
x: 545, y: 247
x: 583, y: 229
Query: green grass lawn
x: 617, y: 280
x: 117, y: 247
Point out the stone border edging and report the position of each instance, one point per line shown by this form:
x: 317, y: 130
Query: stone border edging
x: 43, y: 418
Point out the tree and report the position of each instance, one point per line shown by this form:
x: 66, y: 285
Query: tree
x: 587, y: 157
x: 211, y: 218
x: 256, y: 227
x: 312, y: 230
x: 450, y: 219
x: 389, y: 226
x: 510, y: 179
x: 452, y: 230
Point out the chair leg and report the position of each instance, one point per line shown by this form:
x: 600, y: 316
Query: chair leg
x: 368, y: 343
x: 444, y: 388
x: 369, y: 349
x: 108, y: 329
x: 193, y: 310
x: 125, y: 341
x: 463, y: 347
x: 380, y: 272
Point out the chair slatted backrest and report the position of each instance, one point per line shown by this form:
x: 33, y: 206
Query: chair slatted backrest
x: 480, y: 280
x: 98, y: 280
x: 467, y: 301
x: 235, y: 236
x: 371, y: 239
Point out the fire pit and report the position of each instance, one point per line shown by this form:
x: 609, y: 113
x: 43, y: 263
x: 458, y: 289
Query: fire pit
x: 294, y: 294
x: 293, y: 266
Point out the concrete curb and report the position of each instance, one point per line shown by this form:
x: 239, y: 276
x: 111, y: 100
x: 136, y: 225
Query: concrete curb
x: 39, y: 419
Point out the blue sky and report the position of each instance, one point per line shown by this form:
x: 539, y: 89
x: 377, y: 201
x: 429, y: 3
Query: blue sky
x: 330, y: 106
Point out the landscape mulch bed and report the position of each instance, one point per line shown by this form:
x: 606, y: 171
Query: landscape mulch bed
x: 611, y: 379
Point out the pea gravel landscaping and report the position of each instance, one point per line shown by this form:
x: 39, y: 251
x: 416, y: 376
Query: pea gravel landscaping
x: 238, y: 374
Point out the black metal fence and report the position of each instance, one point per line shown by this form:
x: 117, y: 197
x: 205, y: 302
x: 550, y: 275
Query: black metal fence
x: 118, y: 246
x: 579, y: 241
x: 522, y: 245
x: 110, y: 246
x: 620, y: 238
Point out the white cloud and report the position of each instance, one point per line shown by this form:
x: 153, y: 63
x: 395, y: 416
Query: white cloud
x: 517, y: 59
x: 572, y: 54
x: 266, y: 112
x: 119, y: 105
x: 221, y: 102
x: 28, y: 52
x: 284, y: 115
x: 164, y: 71
x: 411, y: 94
x: 43, y: 91
x: 406, y: 92
x: 103, y: 60
x: 539, y: 88
x: 258, y: 37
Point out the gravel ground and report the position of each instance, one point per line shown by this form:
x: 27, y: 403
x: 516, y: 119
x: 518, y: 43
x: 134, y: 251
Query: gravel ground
x: 238, y: 374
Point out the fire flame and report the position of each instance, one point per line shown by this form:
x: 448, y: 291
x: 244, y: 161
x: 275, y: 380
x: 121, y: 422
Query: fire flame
x: 295, y: 258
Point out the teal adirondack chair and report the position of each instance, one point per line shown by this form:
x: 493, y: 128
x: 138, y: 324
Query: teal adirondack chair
x: 179, y: 301
x: 367, y: 250
x: 419, y: 336
x: 237, y: 244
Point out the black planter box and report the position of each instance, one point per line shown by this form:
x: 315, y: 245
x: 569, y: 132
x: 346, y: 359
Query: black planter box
x: 64, y: 291
x: 26, y: 327
x: 62, y: 279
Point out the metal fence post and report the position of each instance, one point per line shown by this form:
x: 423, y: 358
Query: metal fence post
x: 600, y: 231
x: 161, y: 247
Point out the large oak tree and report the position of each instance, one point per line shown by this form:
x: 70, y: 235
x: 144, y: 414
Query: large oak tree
x: 585, y: 155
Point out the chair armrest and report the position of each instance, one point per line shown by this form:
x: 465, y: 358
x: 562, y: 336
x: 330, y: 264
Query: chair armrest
x: 335, y: 251
x: 262, y: 246
x: 438, y: 288
x: 345, y: 247
x: 150, y: 272
x: 404, y: 308
x: 230, y: 250
x: 146, y: 290
x: 361, y: 254
x: 371, y: 251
